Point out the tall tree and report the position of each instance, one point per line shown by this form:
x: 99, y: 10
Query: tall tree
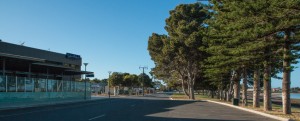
x: 186, y: 28
x: 261, y: 21
x: 287, y: 21
x: 182, y: 49
x: 130, y: 80
x: 145, y: 80
x: 116, y: 79
x: 231, y: 30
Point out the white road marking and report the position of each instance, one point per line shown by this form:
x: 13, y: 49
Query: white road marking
x: 96, y: 117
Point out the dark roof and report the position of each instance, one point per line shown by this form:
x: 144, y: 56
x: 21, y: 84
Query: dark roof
x: 21, y: 57
x: 28, y: 52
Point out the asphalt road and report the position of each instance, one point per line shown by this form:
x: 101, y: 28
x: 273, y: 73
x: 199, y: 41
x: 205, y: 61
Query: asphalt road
x: 153, y: 108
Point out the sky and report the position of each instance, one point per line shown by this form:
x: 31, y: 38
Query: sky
x: 110, y: 35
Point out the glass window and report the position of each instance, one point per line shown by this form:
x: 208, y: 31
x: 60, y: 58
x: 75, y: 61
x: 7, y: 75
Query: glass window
x: 88, y: 87
x: 20, y: 84
x: 29, y: 85
x: 50, y: 85
x: 42, y: 85
x: 72, y: 86
x: 54, y: 85
x: 24, y: 84
x: 36, y: 85
x: 2, y: 84
x: 11, y: 84
x: 78, y: 87
x: 65, y: 86
x: 59, y: 85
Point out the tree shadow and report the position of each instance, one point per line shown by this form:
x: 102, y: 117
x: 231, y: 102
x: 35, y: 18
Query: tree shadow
x: 170, y: 110
x: 124, y: 109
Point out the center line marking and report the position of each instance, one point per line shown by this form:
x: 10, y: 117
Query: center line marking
x: 97, y: 117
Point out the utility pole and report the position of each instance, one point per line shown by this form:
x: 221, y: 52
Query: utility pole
x: 144, y: 67
x: 85, y: 64
x: 108, y: 84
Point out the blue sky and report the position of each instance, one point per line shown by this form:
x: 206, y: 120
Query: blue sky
x: 110, y: 35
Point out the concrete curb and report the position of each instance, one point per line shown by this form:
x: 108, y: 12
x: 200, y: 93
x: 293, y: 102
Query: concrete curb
x: 183, y: 99
x: 252, y: 111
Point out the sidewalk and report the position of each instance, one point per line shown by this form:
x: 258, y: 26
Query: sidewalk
x: 37, y: 103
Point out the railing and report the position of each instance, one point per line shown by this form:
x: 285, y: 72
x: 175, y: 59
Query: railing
x: 24, y: 84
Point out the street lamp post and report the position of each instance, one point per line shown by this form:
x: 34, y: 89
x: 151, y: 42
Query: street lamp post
x: 85, y: 64
x: 143, y: 77
x: 108, y: 84
x: 153, y: 80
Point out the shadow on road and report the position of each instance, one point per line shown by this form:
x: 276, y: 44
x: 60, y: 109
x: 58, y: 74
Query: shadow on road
x: 127, y: 109
x: 184, y: 119
x: 164, y: 110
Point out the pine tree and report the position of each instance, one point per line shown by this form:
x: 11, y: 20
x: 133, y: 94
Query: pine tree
x: 187, y: 50
x: 253, y: 27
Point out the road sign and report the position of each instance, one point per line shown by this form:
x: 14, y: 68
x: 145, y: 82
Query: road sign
x: 90, y: 75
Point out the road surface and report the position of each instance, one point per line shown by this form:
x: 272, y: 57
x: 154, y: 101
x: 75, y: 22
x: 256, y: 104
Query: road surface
x: 152, y: 108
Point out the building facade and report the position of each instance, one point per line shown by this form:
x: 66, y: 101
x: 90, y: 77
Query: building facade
x: 33, y: 74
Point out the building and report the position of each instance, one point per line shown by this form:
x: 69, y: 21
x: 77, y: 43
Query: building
x: 33, y: 74
x: 278, y: 89
x: 98, y: 88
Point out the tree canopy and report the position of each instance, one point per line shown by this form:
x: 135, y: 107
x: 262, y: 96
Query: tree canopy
x: 216, y: 46
x: 179, y: 53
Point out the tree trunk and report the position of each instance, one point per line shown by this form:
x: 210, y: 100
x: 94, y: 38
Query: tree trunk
x: 193, y: 95
x: 228, y: 97
x: 256, y: 89
x: 245, y: 87
x: 286, y: 81
x: 191, y: 82
x: 192, y: 92
x: 224, y: 94
x: 221, y: 97
x: 236, y: 86
x: 212, y: 94
x: 220, y: 94
x: 183, y: 88
x: 267, y: 87
x: 189, y: 91
x: 229, y: 92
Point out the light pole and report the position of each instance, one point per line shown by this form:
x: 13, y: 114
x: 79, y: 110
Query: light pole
x: 85, y: 64
x: 144, y: 67
x: 153, y: 82
x: 108, y: 84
